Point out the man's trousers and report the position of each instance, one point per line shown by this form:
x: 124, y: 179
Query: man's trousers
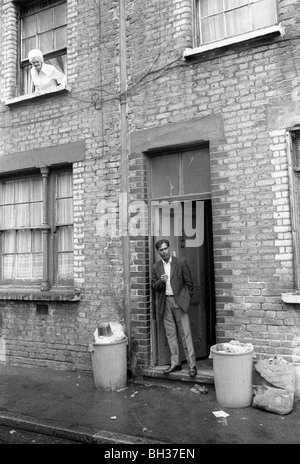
x: 176, y: 321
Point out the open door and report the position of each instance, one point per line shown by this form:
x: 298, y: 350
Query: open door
x: 187, y: 226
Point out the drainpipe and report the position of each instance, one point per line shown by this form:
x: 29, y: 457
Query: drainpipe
x: 124, y: 142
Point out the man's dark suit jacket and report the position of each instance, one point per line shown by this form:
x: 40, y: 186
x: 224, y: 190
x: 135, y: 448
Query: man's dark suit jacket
x: 181, y: 282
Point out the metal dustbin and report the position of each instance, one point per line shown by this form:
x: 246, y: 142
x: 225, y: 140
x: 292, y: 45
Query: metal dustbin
x: 109, y: 361
x: 233, y: 377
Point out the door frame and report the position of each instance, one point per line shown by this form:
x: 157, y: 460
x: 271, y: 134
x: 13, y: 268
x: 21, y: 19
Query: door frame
x: 209, y: 288
x: 210, y: 276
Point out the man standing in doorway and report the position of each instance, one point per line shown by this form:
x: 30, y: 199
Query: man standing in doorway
x: 172, y: 279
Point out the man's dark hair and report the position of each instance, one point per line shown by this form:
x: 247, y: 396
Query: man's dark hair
x: 160, y: 242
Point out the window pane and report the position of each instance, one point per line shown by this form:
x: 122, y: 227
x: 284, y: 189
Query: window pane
x: 22, y: 213
x: 60, y: 38
x: 8, y: 192
x: 208, y: 7
x: 27, y: 45
x: 28, y: 26
x: 165, y: 176
x: 212, y: 29
x: 45, y: 20
x: 196, y: 171
x: 23, y: 266
x: 9, y: 241
x: 37, y: 266
x: 8, y: 267
x: 8, y: 217
x: 263, y: 14
x: 237, y: 22
x: 64, y: 202
x: 64, y: 185
x: 36, y: 189
x: 64, y: 211
x: 36, y: 241
x: 24, y: 241
x: 65, y: 266
x: 22, y: 191
x: 65, y: 239
x: 45, y: 42
x: 36, y: 212
x: 60, y: 15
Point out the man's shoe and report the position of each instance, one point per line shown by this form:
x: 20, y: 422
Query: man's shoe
x: 173, y: 368
x: 193, y: 371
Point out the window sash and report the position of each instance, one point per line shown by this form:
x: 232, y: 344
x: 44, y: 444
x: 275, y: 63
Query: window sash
x: 21, y: 203
x: 21, y: 214
x: 22, y: 255
x: 221, y: 19
x: 44, y: 28
x: 294, y: 177
x: 64, y: 226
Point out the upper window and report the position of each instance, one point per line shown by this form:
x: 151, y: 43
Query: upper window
x: 36, y: 216
x: 217, y: 20
x: 43, y: 26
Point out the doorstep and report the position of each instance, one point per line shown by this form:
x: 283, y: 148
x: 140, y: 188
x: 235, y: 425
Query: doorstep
x: 204, y: 372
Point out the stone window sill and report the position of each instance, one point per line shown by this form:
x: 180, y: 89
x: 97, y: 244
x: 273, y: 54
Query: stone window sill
x: 34, y: 97
x: 291, y: 298
x: 268, y: 31
x: 22, y: 294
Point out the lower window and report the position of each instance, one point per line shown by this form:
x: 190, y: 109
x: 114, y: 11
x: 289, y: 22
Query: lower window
x: 294, y: 173
x: 36, y: 213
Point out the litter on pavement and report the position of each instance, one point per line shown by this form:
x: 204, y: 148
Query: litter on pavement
x: 199, y: 389
x: 220, y: 413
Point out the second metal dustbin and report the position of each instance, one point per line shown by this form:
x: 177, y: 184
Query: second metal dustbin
x: 233, y: 377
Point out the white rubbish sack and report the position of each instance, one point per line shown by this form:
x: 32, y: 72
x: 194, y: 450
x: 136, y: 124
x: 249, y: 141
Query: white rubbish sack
x: 234, y: 347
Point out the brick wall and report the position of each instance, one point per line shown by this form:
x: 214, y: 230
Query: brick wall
x: 251, y: 212
x: 250, y: 192
x: 89, y: 113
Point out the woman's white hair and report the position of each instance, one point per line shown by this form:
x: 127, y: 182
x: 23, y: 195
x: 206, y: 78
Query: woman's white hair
x: 35, y: 54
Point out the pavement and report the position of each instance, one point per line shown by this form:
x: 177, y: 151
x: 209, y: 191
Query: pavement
x: 147, y: 411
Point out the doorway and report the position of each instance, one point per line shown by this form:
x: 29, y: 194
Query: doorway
x: 185, y: 219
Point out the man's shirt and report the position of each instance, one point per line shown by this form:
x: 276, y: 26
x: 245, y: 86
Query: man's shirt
x: 167, y: 267
x: 48, y: 78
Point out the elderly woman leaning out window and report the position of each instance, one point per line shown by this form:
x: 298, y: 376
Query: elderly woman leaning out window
x: 45, y: 77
